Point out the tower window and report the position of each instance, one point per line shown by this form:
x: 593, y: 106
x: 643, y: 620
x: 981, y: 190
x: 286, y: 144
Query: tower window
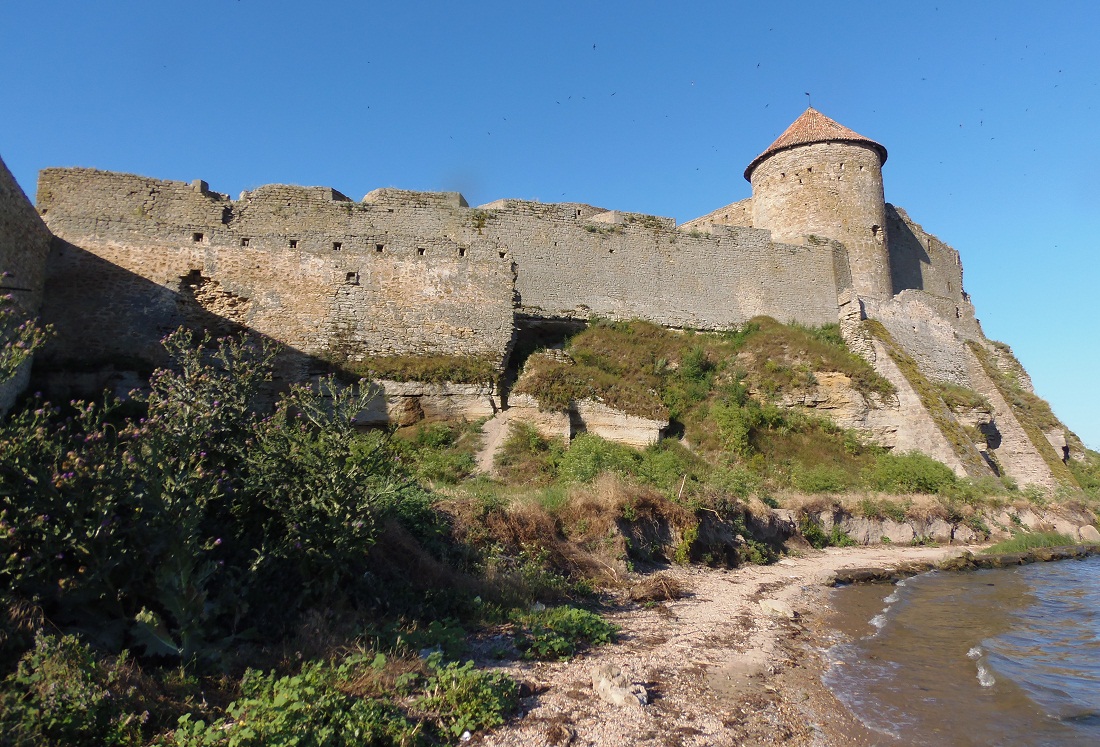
x: 244, y: 242
x: 294, y: 243
x: 196, y: 237
x: 379, y: 248
x: 337, y: 246
x: 875, y: 230
x: 352, y: 278
x: 420, y: 251
x: 462, y: 251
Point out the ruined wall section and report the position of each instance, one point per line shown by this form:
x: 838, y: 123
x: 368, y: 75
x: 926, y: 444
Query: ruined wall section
x: 303, y: 265
x: 921, y: 263
x: 734, y: 214
x: 24, y: 247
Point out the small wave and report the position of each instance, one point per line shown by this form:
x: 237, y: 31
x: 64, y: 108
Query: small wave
x: 892, y: 598
x: 974, y: 653
x: 879, y: 620
x: 985, y: 675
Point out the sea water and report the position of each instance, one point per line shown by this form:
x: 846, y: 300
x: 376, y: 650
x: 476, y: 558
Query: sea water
x: 991, y: 657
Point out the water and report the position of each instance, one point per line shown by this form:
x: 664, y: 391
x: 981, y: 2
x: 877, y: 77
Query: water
x: 994, y: 657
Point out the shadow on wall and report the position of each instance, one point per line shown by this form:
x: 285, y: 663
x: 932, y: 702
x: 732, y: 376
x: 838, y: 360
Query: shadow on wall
x: 907, y: 253
x: 109, y: 322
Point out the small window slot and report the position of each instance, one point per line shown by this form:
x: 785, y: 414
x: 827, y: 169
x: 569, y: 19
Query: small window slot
x: 379, y: 248
x: 244, y: 242
x: 352, y: 278
x: 196, y: 237
x: 462, y: 251
x: 420, y: 251
x: 337, y: 246
x: 294, y: 243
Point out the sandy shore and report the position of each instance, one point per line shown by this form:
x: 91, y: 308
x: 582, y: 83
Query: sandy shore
x: 718, y: 669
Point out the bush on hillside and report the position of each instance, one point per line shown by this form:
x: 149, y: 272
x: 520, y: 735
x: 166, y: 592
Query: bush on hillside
x: 183, y: 529
x: 909, y: 473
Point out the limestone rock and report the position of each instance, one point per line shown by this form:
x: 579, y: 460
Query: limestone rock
x: 776, y: 608
x: 614, y: 687
x: 1088, y: 533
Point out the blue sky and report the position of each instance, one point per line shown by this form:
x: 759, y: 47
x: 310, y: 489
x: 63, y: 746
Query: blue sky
x: 988, y: 111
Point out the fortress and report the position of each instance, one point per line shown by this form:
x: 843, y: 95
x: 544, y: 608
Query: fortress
x: 115, y: 261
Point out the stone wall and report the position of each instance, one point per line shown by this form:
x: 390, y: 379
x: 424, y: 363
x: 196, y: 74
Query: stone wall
x: 305, y: 266
x: 828, y: 189
x: 24, y: 246
x: 625, y: 265
x: 398, y: 273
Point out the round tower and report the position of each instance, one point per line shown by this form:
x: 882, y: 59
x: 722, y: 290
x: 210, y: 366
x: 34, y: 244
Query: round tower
x: 821, y: 178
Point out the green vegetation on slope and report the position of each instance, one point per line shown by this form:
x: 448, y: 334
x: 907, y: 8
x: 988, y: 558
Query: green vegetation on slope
x: 1025, y: 541
x: 155, y: 550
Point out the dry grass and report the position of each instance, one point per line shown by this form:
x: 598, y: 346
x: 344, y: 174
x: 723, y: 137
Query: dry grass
x: 660, y: 587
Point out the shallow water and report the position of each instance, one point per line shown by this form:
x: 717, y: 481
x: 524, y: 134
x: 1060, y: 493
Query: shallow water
x: 992, y: 657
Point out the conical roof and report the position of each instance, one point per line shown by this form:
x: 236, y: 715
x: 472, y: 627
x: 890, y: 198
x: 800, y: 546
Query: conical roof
x: 814, y: 127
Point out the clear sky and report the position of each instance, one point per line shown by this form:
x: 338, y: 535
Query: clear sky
x: 988, y: 111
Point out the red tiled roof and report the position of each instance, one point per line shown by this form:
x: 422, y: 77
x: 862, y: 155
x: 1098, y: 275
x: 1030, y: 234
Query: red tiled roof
x: 814, y: 127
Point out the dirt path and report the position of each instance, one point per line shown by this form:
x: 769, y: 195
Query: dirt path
x: 718, y: 669
x: 495, y: 431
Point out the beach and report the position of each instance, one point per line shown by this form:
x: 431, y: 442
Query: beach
x: 718, y: 667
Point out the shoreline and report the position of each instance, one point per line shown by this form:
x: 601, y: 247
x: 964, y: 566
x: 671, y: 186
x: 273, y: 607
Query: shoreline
x: 719, y: 668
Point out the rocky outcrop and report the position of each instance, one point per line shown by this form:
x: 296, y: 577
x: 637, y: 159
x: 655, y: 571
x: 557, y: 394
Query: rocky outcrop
x: 586, y: 416
x: 406, y: 402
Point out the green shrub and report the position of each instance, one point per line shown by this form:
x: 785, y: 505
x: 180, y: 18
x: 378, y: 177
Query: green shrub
x: 909, y: 473
x: 527, y: 458
x: 821, y: 478
x: 667, y: 465
x: 247, y: 516
x: 308, y: 709
x: 437, y: 453
x: 736, y: 481
x: 61, y: 695
x: 812, y: 532
x: 589, y: 455
x: 559, y: 632
x: 839, y: 538
x: 460, y: 698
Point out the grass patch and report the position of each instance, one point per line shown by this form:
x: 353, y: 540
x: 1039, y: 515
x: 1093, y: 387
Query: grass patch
x: 1023, y: 542
x: 960, y: 398
x: 430, y: 369
x: 560, y: 632
x: 439, y: 453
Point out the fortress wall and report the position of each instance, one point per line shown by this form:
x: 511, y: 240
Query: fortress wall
x: 24, y: 246
x: 301, y: 265
x: 628, y: 265
x: 919, y: 261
